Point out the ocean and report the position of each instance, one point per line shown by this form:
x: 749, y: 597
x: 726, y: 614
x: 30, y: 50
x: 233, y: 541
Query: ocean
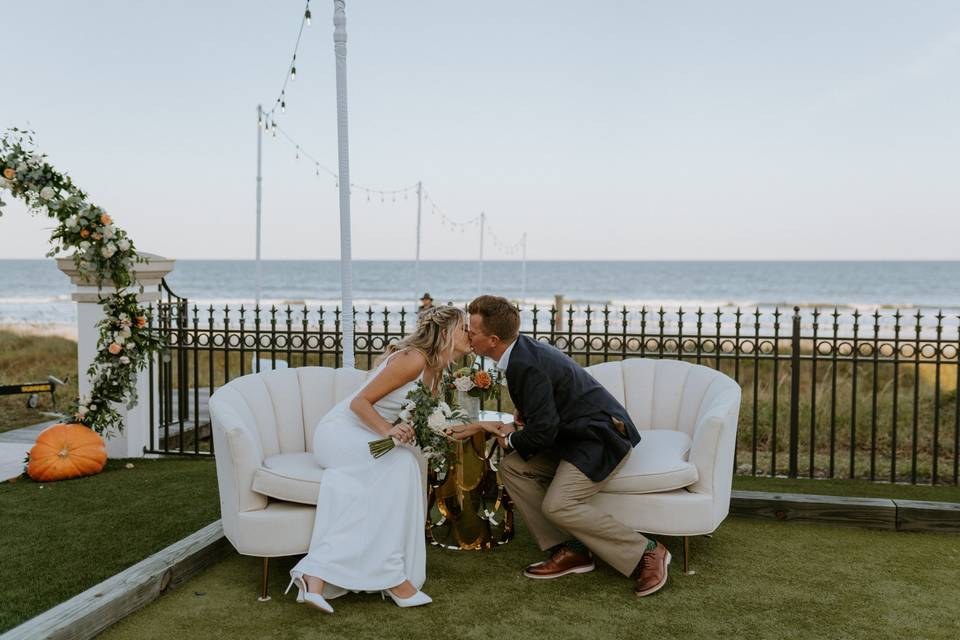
x: 35, y: 291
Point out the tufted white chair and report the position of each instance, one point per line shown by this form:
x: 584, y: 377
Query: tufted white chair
x: 678, y: 479
x: 263, y: 426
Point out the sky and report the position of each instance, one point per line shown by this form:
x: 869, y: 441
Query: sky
x: 741, y: 130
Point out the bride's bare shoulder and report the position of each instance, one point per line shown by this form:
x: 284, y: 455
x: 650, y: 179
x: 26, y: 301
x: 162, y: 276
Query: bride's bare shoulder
x: 410, y: 360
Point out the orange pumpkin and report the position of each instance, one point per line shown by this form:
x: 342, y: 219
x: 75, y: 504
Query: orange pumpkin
x: 65, y: 451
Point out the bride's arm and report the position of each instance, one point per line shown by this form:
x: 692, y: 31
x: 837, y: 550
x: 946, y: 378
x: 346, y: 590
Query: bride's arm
x: 404, y: 367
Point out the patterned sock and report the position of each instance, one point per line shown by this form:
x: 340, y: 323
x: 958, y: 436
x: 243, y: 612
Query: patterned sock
x: 575, y: 545
x: 651, y: 545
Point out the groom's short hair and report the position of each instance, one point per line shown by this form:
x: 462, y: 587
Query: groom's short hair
x: 500, y: 317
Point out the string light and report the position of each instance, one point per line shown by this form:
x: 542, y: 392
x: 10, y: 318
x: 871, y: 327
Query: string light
x: 291, y: 74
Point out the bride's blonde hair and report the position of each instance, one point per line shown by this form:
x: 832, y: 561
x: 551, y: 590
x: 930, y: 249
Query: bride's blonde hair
x: 433, y: 337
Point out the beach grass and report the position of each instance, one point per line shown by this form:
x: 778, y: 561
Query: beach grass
x: 31, y: 357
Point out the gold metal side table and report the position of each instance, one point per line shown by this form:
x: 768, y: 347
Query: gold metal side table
x: 468, y: 507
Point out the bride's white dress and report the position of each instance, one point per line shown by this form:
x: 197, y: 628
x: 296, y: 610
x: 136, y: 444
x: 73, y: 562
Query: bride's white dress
x: 369, y: 529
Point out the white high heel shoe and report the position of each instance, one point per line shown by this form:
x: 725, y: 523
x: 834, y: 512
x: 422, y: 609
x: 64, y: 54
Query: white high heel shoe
x: 416, y: 600
x: 313, y: 599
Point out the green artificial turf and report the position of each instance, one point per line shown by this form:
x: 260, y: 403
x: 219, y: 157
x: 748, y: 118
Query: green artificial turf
x: 60, y: 538
x: 754, y: 580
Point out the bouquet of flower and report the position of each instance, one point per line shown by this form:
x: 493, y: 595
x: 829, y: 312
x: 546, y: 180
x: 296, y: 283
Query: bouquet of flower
x: 476, y: 382
x: 430, y: 418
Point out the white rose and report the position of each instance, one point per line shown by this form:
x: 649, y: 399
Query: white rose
x: 108, y: 250
x: 445, y: 409
x: 463, y: 384
x: 437, y: 420
x: 22, y: 167
x: 123, y: 244
x: 4, y: 183
x: 81, y: 412
x: 405, y: 415
x: 118, y: 338
x: 124, y: 360
x: 47, y: 193
x: 36, y: 158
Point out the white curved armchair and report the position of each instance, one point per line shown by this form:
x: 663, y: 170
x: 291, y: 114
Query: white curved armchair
x: 678, y: 479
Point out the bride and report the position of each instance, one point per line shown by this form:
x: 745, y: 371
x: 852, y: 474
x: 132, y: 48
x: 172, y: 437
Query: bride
x: 369, y: 528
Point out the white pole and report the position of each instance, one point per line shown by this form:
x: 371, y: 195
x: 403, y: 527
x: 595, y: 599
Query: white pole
x: 259, y: 197
x: 483, y: 219
x: 416, y: 264
x: 346, y: 264
x: 523, y: 271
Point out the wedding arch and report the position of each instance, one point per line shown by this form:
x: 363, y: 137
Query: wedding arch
x: 104, y: 254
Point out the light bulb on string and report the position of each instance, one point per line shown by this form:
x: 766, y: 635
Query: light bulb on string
x: 307, y: 15
x: 298, y: 152
x: 293, y: 68
x: 283, y: 106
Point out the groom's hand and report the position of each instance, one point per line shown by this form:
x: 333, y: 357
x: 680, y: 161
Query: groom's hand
x: 502, y: 432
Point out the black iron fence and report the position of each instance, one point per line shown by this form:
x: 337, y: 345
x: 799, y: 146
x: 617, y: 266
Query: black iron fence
x: 826, y: 393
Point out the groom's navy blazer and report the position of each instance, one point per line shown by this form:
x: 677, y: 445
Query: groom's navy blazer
x: 564, y: 407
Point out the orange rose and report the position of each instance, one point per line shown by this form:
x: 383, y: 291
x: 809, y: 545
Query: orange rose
x: 141, y: 322
x: 9, y: 173
x: 105, y: 219
x: 115, y: 348
x: 483, y: 380
x: 84, y: 233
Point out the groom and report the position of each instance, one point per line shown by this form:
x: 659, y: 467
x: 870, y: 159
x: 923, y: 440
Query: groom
x: 571, y: 437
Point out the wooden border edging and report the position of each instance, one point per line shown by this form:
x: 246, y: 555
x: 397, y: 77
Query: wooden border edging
x: 875, y: 513
x: 87, y: 614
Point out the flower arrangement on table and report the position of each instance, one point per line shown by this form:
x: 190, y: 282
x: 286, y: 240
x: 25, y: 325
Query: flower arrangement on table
x: 476, y: 382
x: 430, y: 418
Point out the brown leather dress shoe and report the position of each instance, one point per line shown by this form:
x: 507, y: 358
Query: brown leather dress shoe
x: 563, y: 561
x: 652, y: 571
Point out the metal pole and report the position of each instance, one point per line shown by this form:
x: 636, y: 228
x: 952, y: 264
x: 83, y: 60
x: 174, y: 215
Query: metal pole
x: 523, y: 271
x: 343, y: 155
x: 416, y: 264
x: 483, y: 219
x: 259, y: 197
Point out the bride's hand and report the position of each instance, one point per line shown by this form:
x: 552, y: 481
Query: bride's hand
x: 402, y: 432
x: 464, y: 431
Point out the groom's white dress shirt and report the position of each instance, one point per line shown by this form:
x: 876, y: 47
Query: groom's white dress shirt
x: 502, y: 365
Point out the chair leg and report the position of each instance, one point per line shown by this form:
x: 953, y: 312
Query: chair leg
x: 686, y: 557
x: 263, y: 586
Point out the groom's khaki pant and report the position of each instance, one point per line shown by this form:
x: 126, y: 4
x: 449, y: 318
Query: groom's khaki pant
x: 553, y: 497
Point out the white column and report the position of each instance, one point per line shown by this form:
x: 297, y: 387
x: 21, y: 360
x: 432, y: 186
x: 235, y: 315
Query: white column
x: 483, y: 220
x: 343, y: 155
x: 416, y: 264
x: 136, y: 421
x: 523, y: 271
x: 259, y: 196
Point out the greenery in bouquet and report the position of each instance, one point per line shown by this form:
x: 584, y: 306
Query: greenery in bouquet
x: 430, y: 418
